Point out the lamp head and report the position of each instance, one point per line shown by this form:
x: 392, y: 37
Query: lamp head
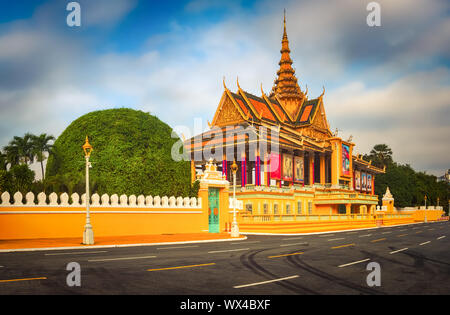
x: 234, y: 167
x: 87, y: 148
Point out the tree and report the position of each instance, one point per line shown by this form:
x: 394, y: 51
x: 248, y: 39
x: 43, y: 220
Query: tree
x: 132, y: 155
x: 21, y: 179
x: 40, y: 146
x: 381, y: 155
x: 3, y: 161
x: 20, y: 150
x: 407, y: 186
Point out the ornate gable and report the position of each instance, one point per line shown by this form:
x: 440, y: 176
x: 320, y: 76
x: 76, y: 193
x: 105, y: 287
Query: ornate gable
x: 227, y: 113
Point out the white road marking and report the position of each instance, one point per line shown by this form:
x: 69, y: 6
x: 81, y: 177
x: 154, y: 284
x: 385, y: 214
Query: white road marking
x: 424, y: 243
x: 76, y: 253
x: 292, y: 238
x: 176, y: 247
x: 355, y: 262
x: 386, y: 232
x: 335, y: 239
x: 264, y: 282
x: 399, y: 250
x: 365, y: 235
x: 440, y: 237
x: 303, y: 243
x: 228, y: 250
x: 326, y: 235
x: 121, y: 258
x: 245, y: 242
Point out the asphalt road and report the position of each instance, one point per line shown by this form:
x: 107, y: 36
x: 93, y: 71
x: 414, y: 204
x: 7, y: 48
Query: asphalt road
x: 412, y: 259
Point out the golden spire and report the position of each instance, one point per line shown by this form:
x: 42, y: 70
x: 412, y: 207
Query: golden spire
x: 286, y: 86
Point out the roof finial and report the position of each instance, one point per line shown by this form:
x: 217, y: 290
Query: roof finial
x: 284, y: 24
x: 224, y: 83
x: 237, y: 81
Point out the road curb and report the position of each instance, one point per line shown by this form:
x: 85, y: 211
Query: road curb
x: 337, y: 231
x: 119, y: 245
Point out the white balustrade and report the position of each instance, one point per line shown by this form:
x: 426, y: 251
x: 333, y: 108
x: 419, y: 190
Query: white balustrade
x: 105, y: 200
x: 29, y: 197
x: 64, y: 199
x: 18, y: 198
x: 132, y: 201
x: 96, y: 201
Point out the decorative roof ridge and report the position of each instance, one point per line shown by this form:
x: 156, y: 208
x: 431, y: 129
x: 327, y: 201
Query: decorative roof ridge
x: 244, y: 96
x: 270, y: 105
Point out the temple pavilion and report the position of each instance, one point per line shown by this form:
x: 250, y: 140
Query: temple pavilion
x: 289, y: 160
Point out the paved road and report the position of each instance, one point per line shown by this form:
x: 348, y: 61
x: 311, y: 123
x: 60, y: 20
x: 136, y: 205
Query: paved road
x: 413, y: 259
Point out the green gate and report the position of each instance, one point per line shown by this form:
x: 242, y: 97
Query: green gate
x: 213, y: 210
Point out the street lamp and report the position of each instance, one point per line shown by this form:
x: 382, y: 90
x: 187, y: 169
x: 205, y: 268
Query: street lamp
x: 425, y: 211
x: 88, y: 234
x: 234, y: 225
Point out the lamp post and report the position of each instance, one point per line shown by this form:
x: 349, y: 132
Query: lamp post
x: 234, y: 225
x: 425, y: 211
x: 88, y: 234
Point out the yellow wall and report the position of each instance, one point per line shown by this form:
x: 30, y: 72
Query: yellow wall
x: 61, y: 222
x: 432, y: 215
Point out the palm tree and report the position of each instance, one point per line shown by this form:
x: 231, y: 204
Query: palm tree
x: 382, y: 154
x: 19, y: 150
x: 40, y: 146
x: 3, y: 161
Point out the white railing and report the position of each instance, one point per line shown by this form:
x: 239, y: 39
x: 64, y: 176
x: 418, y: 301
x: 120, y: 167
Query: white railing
x: 105, y: 200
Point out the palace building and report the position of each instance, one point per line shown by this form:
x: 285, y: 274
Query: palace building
x: 290, y: 162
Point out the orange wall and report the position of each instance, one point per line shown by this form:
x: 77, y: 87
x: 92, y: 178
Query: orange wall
x: 55, y: 224
x: 432, y: 215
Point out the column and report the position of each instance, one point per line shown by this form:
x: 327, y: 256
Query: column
x: 311, y: 168
x: 348, y: 208
x: 258, y: 169
x: 193, y: 172
x: 224, y: 167
x: 322, y: 169
x: 243, y: 170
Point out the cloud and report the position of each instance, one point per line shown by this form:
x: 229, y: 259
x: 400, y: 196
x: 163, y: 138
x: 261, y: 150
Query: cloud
x: 410, y: 115
x: 382, y: 85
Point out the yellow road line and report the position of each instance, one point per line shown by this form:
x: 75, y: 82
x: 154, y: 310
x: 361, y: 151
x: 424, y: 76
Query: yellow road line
x: 24, y: 279
x: 378, y: 240
x: 346, y: 245
x: 299, y: 253
x: 401, y: 235
x: 179, y: 267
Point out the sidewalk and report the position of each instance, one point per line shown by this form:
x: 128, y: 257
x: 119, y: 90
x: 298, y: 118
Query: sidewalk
x: 113, y: 241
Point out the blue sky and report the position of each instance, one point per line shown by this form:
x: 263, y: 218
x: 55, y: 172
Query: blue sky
x: 387, y: 84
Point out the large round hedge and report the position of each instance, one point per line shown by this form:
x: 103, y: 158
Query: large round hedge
x: 132, y: 154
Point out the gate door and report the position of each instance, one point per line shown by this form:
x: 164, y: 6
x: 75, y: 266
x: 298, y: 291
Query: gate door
x: 213, y: 210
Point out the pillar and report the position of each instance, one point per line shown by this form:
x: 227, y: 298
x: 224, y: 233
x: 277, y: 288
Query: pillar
x: 258, y: 170
x: 311, y: 168
x: 322, y: 169
x: 193, y: 174
x: 348, y: 208
x: 224, y: 167
x: 243, y: 170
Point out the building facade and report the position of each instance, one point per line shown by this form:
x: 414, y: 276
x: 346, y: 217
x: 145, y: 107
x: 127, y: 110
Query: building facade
x: 290, y: 162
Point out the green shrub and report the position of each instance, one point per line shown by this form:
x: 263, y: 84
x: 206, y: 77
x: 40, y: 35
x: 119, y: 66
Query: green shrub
x: 131, y: 155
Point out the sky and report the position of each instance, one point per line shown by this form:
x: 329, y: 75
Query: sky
x: 383, y: 84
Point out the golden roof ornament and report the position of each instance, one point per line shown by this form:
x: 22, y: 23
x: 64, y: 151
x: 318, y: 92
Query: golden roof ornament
x: 286, y: 87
